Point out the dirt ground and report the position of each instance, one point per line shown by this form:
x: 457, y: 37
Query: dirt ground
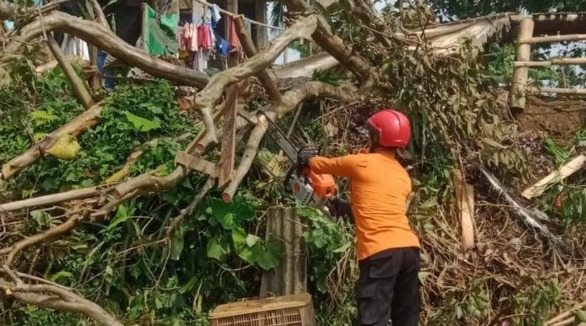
x: 560, y: 118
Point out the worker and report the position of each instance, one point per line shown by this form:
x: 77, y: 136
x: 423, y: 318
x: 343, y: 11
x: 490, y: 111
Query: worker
x: 387, y: 248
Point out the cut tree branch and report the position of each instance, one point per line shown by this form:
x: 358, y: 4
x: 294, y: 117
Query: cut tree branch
x: 70, y: 303
x: 77, y: 84
x: 209, y: 96
x: 39, y: 237
x: 99, y: 13
x: 75, y: 127
x: 250, y: 50
x: 336, y: 46
x: 291, y: 100
x: 102, y: 37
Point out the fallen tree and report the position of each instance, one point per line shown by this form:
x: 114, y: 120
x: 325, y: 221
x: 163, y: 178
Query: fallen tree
x: 451, y: 117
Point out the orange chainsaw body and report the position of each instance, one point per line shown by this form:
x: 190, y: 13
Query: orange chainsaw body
x: 312, y: 188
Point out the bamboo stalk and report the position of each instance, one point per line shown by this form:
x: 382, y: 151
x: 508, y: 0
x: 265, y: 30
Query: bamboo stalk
x: 565, y: 91
x: 520, y: 74
x: 554, y: 38
x: 549, y: 17
x: 552, y: 62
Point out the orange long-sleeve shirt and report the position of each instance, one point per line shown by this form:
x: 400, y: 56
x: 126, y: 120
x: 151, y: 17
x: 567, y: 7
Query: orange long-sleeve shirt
x: 379, y: 190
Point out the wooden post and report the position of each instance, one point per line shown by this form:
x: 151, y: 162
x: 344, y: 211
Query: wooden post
x: 226, y: 166
x: 465, y: 198
x: 520, y: 74
x: 290, y: 277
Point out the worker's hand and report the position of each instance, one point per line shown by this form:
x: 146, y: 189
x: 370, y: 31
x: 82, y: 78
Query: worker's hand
x: 305, y: 154
x: 338, y: 207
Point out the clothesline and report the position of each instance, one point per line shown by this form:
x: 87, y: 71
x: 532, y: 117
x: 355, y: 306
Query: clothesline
x: 231, y: 14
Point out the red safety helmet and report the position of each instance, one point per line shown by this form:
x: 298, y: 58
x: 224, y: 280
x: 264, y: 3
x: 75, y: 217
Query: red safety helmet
x: 391, y: 128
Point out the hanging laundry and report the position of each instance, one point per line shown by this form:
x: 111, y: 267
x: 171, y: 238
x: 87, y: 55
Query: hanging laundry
x: 204, y: 36
x: 160, y: 35
x: 223, y: 46
x: 233, y: 39
x: 214, y: 15
x: 187, y: 37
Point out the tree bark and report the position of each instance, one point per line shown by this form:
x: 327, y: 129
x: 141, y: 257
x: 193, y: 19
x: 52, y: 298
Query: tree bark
x: 209, y: 96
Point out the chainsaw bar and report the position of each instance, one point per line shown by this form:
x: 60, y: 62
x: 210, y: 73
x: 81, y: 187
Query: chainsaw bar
x: 281, y: 139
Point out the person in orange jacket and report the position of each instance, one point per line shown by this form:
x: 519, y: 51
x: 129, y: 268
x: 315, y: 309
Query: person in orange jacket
x: 387, y: 248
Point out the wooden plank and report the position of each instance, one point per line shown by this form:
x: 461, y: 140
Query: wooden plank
x: 226, y: 166
x: 196, y: 163
x: 465, y: 199
x: 556, y: 176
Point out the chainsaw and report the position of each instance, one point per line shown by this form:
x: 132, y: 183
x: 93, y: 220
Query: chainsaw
x: 308, y: 187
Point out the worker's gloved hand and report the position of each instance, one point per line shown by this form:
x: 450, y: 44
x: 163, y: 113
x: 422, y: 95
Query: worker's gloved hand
x: 339, y: 207
x: 305, y: 154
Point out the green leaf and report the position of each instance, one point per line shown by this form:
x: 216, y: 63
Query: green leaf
x: 270, y: 257
x: 140, y: 123
x: 190, y: 285
x: 251, y: 240
x: 177, y: 244
x: 41, y: 117
x: 61, y: 274
x: 217, y: 248
x: 123, y: 214
x: 239, y: 239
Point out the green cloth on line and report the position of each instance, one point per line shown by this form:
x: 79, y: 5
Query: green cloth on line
x: 160, y: 38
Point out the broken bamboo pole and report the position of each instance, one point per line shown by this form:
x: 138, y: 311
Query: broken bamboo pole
x: 552, y: 62
x: 465, y: 200
x: 520, y: 74
x: 82, y: 94
x: 565, y: 91
x: 556, y: 176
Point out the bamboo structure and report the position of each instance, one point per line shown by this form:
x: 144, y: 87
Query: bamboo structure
x: 520, y: 86
x: 520, y: 74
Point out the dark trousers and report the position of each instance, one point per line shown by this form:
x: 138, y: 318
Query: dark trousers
x: 388, y: 288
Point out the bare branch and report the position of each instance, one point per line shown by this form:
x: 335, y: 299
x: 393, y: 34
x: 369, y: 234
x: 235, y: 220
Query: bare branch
x: 189, y: 209
x: 209, y: 96
x: 71, y: 303
x: 75, y: 127
x: 251, y: 51
x: 336, y: 46
x: 50, y: 199
x: 39, y: 237
x: 76, y: 83
x: 102, y: 37
x: 7, y: 10
x: 291, y: 100
x: 99, y: 13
